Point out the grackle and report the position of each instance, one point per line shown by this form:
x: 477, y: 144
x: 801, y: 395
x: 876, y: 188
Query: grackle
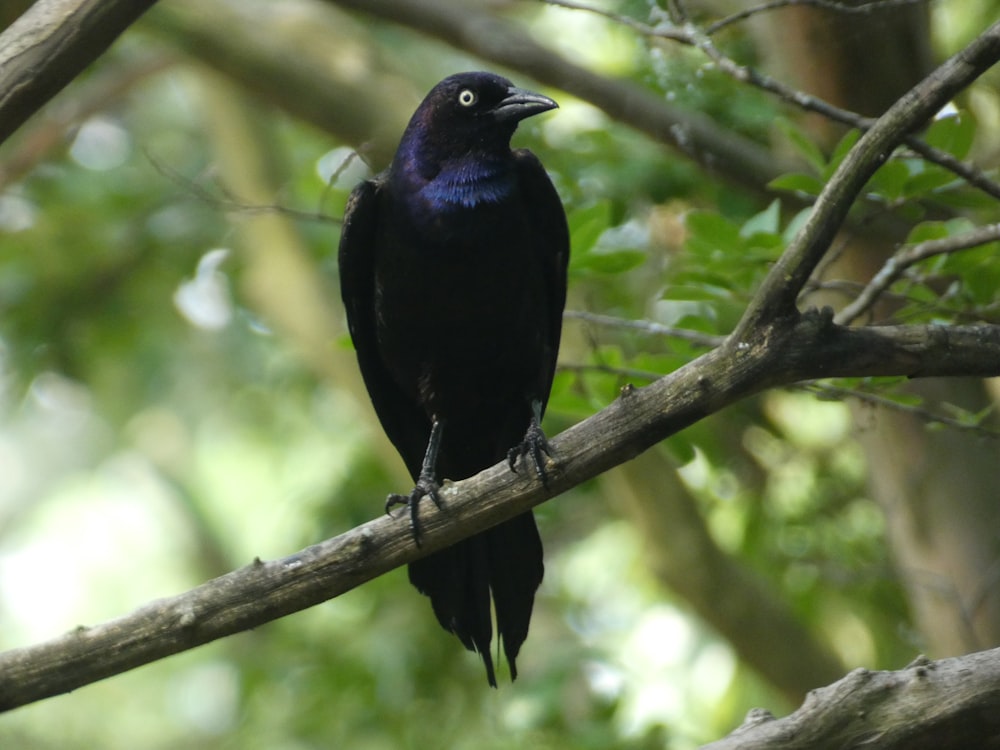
x: 453, y: 275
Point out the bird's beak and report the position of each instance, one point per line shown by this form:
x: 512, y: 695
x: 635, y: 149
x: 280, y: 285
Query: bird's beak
x: 521, y: 103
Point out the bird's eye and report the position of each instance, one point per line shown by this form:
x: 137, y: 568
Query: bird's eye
x: 467, y: 97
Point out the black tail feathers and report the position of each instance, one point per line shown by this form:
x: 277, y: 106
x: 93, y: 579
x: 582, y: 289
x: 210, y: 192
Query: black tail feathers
x: 505, y: 561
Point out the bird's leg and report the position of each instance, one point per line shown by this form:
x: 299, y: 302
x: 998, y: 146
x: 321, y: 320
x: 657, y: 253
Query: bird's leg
x: 426, y: 486
x: 534, y: 444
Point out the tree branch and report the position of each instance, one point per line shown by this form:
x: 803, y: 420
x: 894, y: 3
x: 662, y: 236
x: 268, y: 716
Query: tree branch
x: 778, y: 294
x: 930, y: 705
x: 689, y: 34
x: 812, y: 347
x: 907, y: 256
x: 837, y: 6
x: 469, y: 28
x: 49, y: 45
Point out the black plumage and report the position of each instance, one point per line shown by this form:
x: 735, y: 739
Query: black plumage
x: 453, y: 274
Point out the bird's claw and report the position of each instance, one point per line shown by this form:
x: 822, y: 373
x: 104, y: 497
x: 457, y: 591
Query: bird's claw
x: 425, y: 487
x: 535, y: 445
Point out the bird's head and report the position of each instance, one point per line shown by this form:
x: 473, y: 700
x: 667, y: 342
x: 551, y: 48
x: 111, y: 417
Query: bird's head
x: 467, y: 114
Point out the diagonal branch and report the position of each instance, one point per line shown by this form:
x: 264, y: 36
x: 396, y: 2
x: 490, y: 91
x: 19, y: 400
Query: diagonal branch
x: 49, y: 45
x: 689, y: 34
x: 907, y: 256
x: 778, y: 293
x: 812, y: 347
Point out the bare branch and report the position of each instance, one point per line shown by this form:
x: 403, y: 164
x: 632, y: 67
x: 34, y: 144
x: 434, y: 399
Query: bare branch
x: 646, y: 326
x: 930, y: 705
x: 812, y: 347
x: 907, y: 256
x: 691, y: 35
x: 834, y: 5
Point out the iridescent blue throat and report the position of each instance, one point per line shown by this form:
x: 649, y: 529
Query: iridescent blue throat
x: 467, y: 184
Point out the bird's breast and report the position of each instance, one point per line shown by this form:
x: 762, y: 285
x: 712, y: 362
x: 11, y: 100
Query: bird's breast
x: 459, y: 301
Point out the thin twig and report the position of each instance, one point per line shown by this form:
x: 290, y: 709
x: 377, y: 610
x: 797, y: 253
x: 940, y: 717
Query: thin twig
x: 662, y: 30
x: 840, y: 393
x: 689, y: 34
x: 866, y: 8
x: 810, y: 103
x: 777, y: 294
x: 905, y: 257
x: 227, y: 202
x: 627, y: 373
x: 646, y: 326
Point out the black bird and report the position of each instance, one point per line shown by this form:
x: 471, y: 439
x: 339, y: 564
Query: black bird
x: 453, y: 274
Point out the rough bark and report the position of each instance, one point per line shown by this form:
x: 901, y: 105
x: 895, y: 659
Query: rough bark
x: 785, y: 351
x: 942, y: 705
x: 50, y: 45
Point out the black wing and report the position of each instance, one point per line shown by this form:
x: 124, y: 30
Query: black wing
x: 548, y: 220
x: 403, y: 421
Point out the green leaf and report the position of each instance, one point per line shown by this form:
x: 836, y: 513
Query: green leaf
x: 803, y: 144
x: 608, y: 261
x: 953, y: 133
x: 681, y: 449
x: 697, y: 292
x: 840, y: 151
x: 930, y: 178
x: 767, y: 221
x: 890, y: 180
x: 712, y: 232
x: 927, y: 230
x: 586, y: 225
x: 966, y: 199
x: 797, y: 182
x: 796, y: 224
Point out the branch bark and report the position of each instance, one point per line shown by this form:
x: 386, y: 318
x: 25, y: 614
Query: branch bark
x: 49, y: 45
x: 951, y: 703
x: 811, y: 347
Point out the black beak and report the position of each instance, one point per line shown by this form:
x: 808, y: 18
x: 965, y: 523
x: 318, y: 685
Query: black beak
x: 521, y: 103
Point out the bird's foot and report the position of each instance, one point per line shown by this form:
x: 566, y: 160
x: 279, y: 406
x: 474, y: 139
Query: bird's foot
x: 426, y: 486
x: 535, y: 445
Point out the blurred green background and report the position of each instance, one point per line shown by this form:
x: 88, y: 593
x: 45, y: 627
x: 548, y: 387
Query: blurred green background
x: 178, y: 394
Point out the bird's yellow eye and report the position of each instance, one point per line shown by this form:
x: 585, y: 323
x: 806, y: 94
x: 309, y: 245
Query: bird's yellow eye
x: 467, y: 97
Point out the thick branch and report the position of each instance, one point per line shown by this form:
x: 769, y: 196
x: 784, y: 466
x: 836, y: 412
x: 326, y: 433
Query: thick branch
x: 263, y: 591
x: 49, y: 45
x: 951, y: 703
